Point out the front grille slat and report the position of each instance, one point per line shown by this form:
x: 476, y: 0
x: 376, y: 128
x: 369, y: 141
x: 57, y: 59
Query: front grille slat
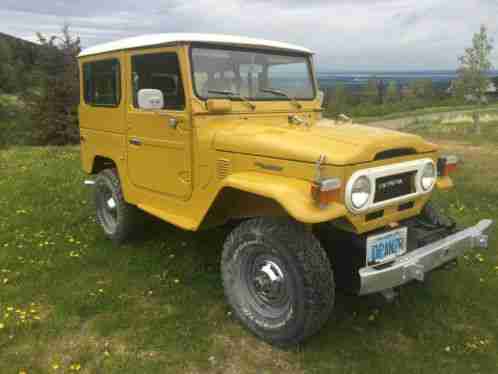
x: 394, y: 186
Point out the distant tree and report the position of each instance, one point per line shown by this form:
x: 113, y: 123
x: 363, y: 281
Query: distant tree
x: 7, y: 68
x: 53, y: 106
x: 475, y: 65
x: 422, y: 89
x: 371, y: 92
x: 381, y: 91
x: 392, y: 92
x: 341, y: 98
x: 338, y: 100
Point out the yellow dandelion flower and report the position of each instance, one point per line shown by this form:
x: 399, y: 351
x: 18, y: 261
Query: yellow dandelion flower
x: 55, y: 366
x: 75, y: 367
x: 2, y: 326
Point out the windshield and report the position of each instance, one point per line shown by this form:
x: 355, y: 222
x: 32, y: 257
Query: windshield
x: 251, y: 74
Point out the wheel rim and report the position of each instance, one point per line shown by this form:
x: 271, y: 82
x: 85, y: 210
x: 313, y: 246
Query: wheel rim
x: 267, y: 283
x: 107, y: 209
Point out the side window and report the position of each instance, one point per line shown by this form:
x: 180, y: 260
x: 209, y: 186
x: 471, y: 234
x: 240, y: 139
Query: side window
x: 160, y: 71
x: 101, y: 83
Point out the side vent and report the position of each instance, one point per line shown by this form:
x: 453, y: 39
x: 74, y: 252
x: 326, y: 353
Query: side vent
x: 223, y: 168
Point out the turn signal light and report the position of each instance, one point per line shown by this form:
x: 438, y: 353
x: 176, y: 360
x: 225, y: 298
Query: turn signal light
x: 447, y: 165
x: 326, y: 191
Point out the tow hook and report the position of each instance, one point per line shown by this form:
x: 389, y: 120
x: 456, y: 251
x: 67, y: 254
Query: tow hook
x: 89, y: 182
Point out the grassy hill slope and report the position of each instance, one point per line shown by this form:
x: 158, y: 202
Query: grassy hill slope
x: 71, y: 301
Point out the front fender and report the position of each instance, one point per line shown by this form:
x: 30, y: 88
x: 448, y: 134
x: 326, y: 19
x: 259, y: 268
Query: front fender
x: 292, y: 194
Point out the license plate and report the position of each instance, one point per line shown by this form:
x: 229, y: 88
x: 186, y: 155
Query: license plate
x: 386, y: 246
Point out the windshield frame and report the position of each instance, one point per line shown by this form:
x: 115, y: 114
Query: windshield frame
x: 307, y: 57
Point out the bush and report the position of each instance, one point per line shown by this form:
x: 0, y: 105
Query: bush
x: 15, y: 124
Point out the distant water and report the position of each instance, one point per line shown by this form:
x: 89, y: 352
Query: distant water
x: 360, y: 78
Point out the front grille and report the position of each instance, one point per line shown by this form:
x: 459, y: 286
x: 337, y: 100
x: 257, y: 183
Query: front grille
x: 406, y: 206
x: 393, y: 186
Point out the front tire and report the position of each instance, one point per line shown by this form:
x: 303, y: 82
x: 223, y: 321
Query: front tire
x: 278, y: 280
x: 116, y: 217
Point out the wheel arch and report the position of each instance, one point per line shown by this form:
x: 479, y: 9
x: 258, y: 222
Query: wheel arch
x: 100, y: 163
x: 234, y: 204
x: 252, y: 194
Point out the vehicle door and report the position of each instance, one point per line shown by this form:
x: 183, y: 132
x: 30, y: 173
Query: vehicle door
x: 159, y: 140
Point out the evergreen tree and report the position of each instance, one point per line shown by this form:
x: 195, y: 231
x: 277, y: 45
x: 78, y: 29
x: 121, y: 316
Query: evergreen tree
x: 54, y: 105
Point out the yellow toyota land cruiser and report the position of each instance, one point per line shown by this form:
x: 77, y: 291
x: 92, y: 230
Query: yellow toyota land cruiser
x: 200, y: 130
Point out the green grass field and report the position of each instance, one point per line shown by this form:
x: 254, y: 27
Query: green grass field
x: 70, y: 301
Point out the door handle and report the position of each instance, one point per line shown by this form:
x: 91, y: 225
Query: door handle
x: 173, y: 123
x: 135, y: 141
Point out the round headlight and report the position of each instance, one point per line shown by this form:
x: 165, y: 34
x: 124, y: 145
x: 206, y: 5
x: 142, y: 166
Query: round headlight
x: 428, y: 176
x: 360, y: 192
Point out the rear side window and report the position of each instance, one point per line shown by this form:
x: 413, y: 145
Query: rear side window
x: 101, y: 83
x: 159, y: 71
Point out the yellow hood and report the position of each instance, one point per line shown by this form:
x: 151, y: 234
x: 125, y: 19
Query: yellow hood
x: 342, y: 144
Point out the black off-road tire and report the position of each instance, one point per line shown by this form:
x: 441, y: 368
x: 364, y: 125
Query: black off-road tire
x: 126, y: 216
x: 307, y: 279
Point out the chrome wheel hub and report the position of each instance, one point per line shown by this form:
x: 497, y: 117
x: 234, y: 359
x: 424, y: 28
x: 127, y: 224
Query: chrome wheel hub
x: 111, y: 203
x: 269, y: 282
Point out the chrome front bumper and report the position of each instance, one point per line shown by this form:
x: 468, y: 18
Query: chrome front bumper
x: 415, y: 264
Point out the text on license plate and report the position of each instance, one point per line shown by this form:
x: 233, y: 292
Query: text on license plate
x: 386, y: 246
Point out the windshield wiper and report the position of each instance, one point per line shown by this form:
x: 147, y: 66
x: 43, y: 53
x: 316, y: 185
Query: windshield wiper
x: 282, y: 93
x: 234, y: 94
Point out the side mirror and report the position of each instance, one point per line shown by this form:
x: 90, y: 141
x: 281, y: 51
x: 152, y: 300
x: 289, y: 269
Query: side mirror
x: 149, y: 98
x: 321, y: 97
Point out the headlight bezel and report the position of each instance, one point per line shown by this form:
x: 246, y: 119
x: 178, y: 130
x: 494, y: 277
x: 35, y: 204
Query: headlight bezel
x: 432, y: 179
x: 365, y: 188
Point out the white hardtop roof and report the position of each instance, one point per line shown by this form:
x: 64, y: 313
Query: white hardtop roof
x: 171, y: 38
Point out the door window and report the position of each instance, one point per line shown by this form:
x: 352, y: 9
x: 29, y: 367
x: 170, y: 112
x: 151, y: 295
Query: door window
x: 160, y: 71
x: 101, y: 83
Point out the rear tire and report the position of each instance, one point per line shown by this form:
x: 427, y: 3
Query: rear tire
x: 278, y: 280
x: 116, y: 217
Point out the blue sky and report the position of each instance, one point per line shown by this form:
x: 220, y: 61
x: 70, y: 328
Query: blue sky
x: 345, y: 34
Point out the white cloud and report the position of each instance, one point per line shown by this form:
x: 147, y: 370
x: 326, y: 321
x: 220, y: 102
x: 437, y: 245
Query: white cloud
x: 346, y: 34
